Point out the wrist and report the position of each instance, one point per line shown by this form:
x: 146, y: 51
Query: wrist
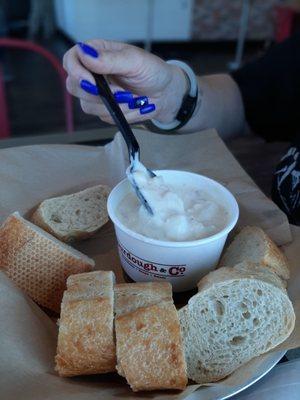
x: 173, y: 94
x: 188, y: 102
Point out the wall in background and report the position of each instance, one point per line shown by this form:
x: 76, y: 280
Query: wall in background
x: 125, y: 20
x: 219, y: 19
x: 128, y: 20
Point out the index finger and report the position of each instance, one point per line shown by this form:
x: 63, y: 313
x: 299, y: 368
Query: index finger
x: 74, y: 67
x: 123, y: 61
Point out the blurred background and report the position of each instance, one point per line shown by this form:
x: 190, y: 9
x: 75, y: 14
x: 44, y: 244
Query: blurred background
x: 211, y: 35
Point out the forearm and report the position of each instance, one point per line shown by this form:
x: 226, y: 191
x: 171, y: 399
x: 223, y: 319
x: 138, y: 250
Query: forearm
x: 219, y: 106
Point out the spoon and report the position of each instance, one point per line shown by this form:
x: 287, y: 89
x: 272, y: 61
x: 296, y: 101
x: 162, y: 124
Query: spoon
x: 133, y: 147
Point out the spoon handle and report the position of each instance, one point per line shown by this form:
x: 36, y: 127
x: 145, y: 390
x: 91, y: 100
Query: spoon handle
x: 117, y: 115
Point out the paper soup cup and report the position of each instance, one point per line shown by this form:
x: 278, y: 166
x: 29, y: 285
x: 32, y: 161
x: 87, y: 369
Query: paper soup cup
x: 180, y: 263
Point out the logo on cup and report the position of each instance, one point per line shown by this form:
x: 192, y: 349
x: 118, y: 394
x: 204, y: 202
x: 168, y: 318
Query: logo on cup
x: 174, y: 271
x: 145, y: 267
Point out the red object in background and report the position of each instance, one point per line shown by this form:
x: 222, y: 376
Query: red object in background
x: 4, y: 121
x: 53, y: 60
x: 285, y: 18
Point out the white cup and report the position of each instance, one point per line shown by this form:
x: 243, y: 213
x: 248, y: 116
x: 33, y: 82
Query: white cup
x: 180, y: 263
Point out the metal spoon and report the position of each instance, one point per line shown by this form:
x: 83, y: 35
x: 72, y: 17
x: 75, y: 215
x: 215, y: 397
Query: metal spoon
x: 133, y: 147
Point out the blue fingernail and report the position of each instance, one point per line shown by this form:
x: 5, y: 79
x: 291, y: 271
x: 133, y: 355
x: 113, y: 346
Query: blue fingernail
x: 89, y: 87
x: 89, y: 50
x: 123, y: 97
x: 147, y: 109
x: 138, y: 102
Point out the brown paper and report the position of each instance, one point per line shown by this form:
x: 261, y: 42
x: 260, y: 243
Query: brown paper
x: 31, y: 174
x: 34, y: 173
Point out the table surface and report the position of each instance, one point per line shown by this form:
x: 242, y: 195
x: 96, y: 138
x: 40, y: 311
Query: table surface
x: 258, y: 158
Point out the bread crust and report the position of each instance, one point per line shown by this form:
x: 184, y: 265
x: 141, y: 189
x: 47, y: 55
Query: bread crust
x: 86, y: 339
x: 37, y: 262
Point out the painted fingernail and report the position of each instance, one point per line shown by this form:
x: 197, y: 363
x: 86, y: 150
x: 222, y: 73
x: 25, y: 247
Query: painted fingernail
x: 89, y: 87
x: 123, y: 97
x: 89, y: 50
x: 147, y: 109
x: 138, y: 102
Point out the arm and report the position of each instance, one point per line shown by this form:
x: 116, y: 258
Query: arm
x: 264, y: 92
x: 219, y: 106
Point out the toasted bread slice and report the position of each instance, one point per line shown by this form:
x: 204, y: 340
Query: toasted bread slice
x: 75, y: 216
x: 254, y: 245
x: 131, y: 296
x: 149, y: 348
x: 149, y: 344
x: 86, y: 337
x: 37, y: 262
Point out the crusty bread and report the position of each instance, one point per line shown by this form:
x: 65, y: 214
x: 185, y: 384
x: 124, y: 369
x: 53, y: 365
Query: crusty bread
x: 149, y: 348
x: 253, y: 244
x: 75, y: 216
x: 37, y: 262
x: 235, y: 316
x: 131, y: 296
x: 86, y: 338
x: 257, y: 271
x: 149, y: 344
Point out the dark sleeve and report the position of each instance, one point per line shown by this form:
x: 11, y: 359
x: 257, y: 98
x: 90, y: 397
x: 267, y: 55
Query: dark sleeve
x: 270, y: 88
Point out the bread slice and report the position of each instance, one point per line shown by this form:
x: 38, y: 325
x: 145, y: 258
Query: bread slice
x: 75, y: 216
x: 149, y: 344
x: 257, y: 271
x: 37, y: 262
x: 235, y: 316
x: 149, y: 348
x: 86, y: 337
x: 253, y: 244
x: 131, y: 296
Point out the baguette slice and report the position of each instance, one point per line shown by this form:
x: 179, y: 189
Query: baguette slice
x: 37, y: 262
x: 149, y: 344
x: 86, y: 337
x: 75, y: 216
x: 245, y: 268
x: 131, y: 296
x: 235, y: 316
x: 149, y: 348
x: 253, y: 244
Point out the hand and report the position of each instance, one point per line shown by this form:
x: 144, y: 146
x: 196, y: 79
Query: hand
x: 128, y: 69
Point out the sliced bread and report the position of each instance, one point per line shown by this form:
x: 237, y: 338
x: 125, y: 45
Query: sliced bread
x: 86, y: 337
x: 149, y: 344
x: 245, y: 268
x: 253, y: 244
x: 37, y: 262
x: 131, y: 296
x: 235, y: 316
x: 75, y: 216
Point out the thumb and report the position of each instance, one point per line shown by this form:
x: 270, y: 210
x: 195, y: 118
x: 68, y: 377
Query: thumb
x: 103, y: 61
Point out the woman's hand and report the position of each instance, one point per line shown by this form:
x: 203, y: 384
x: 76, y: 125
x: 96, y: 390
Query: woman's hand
x: 132, y: 72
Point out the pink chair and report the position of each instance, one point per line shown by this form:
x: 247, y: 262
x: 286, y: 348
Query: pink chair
x: 53, y: 60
